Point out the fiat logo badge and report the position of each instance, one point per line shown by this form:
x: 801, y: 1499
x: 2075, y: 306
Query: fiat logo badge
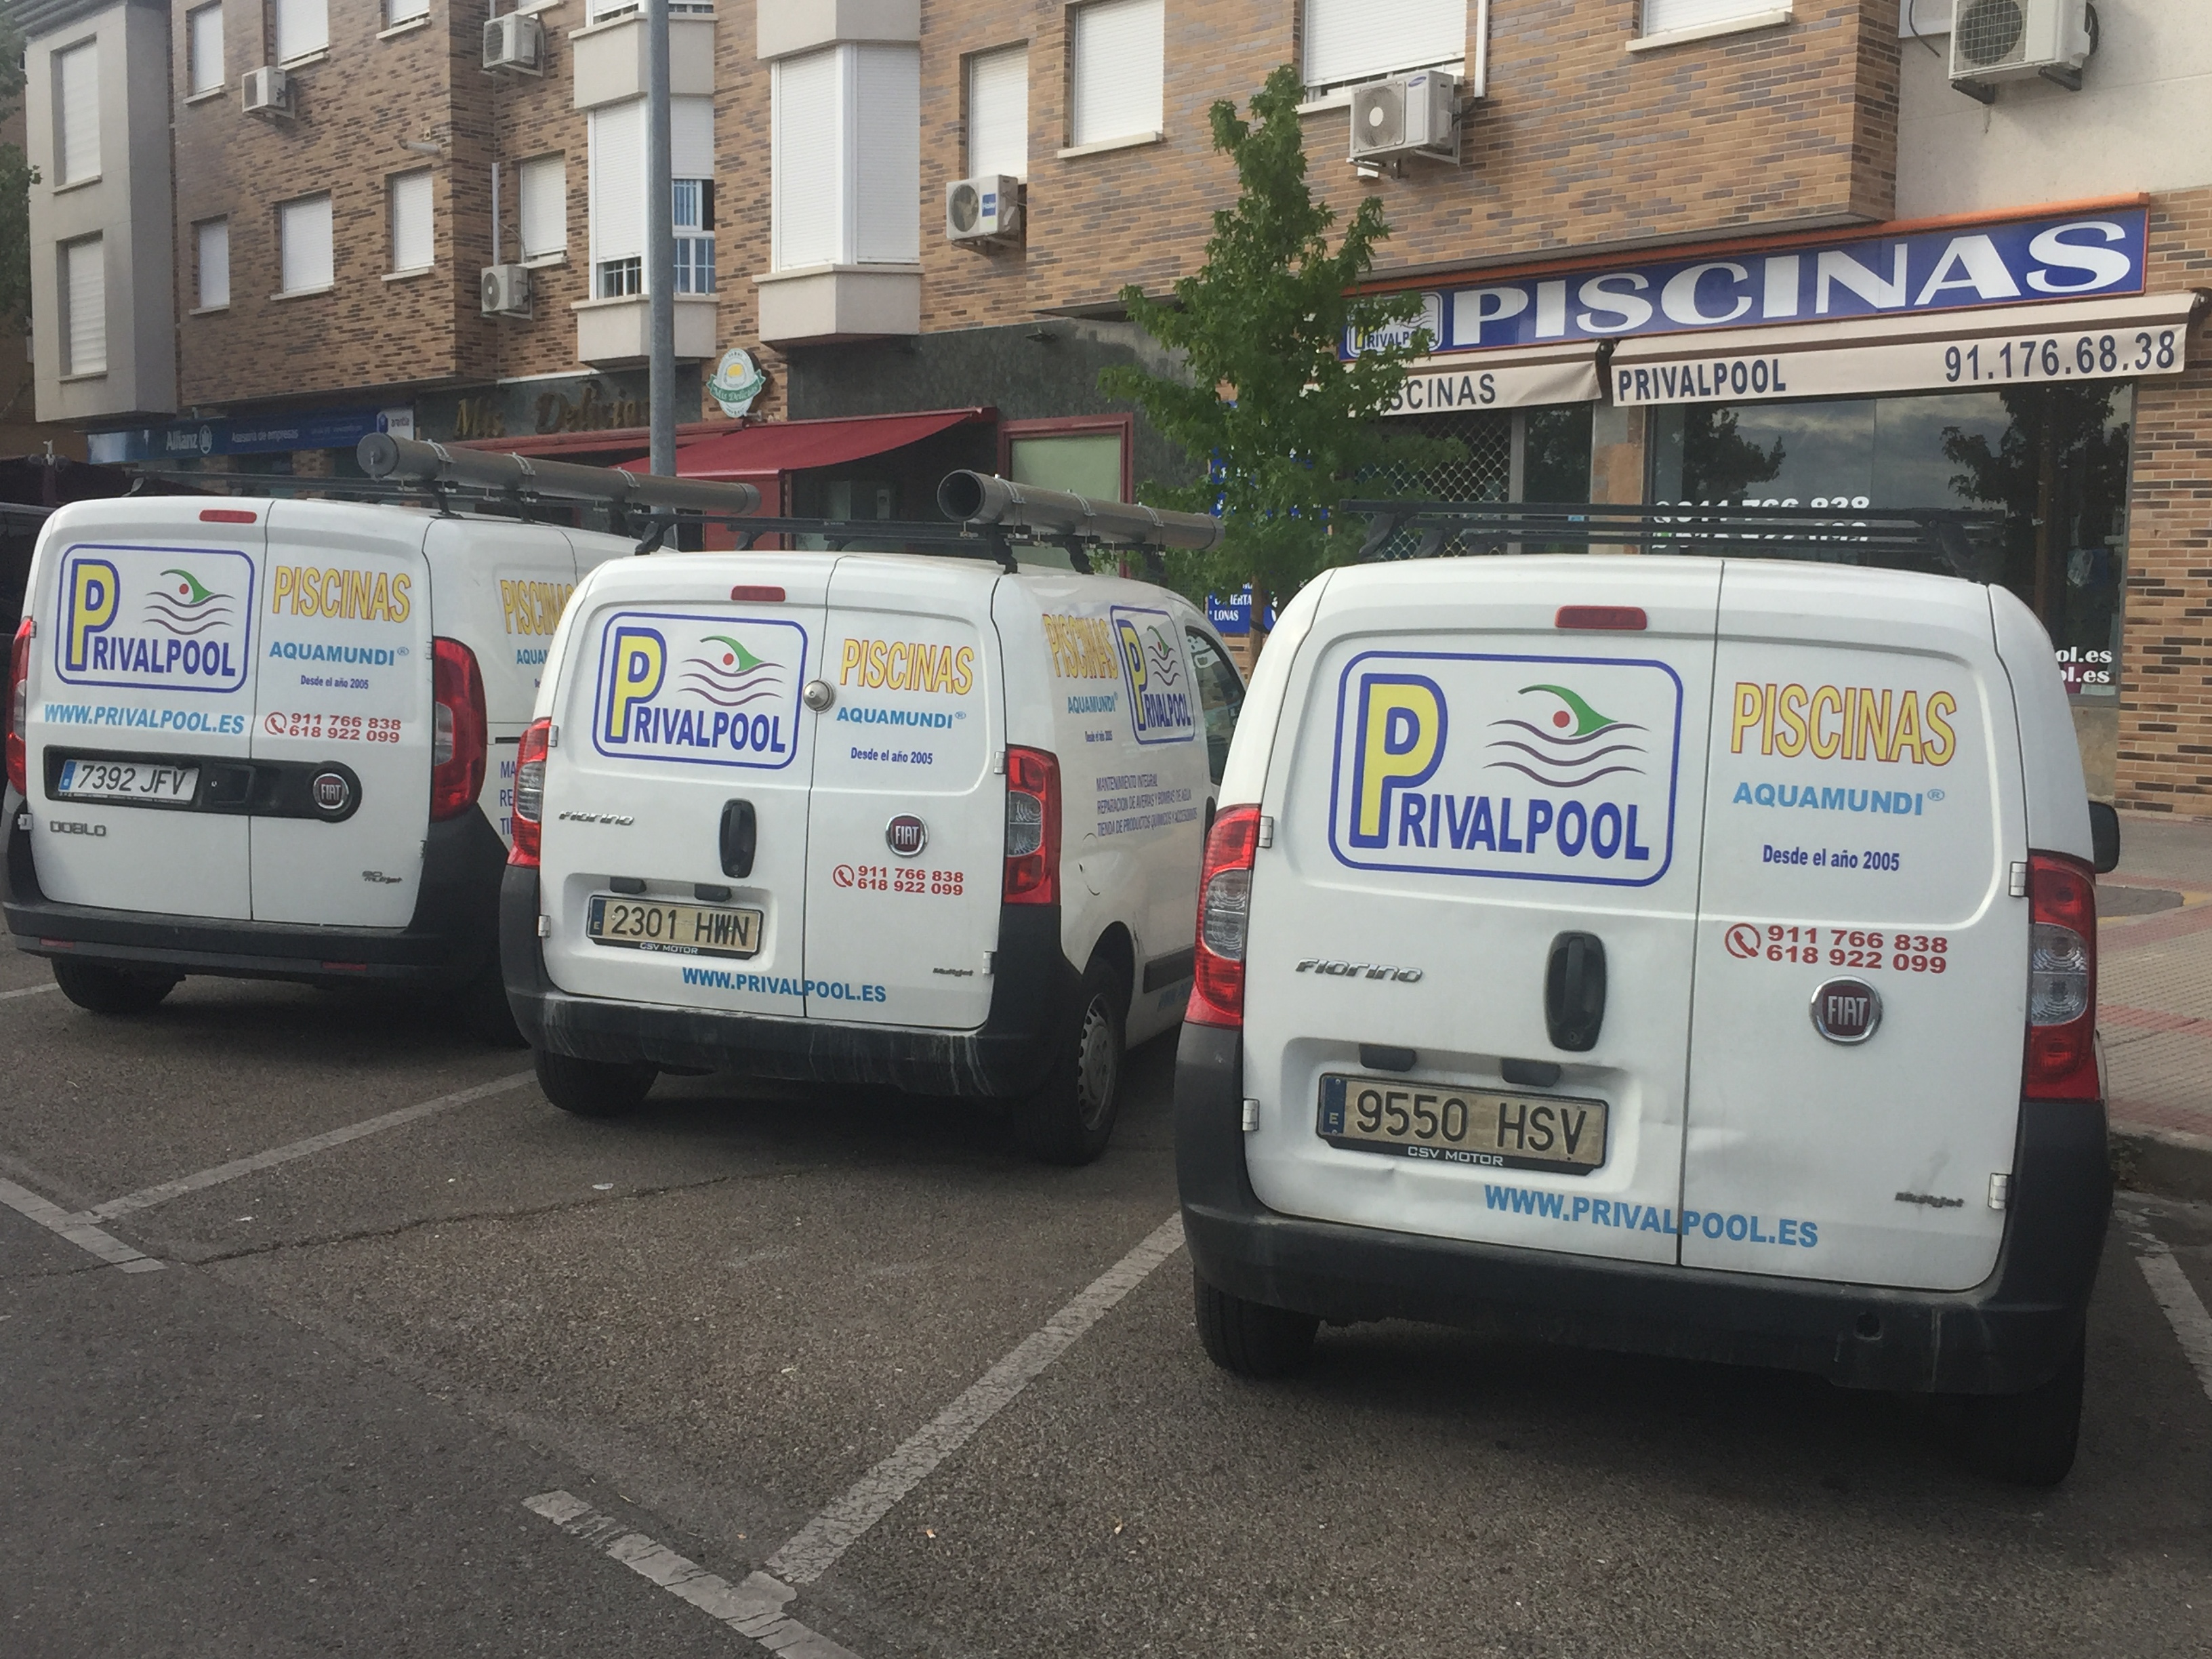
x: 331, y: 792
x: 1846, y: 1010
x: 906, y: 835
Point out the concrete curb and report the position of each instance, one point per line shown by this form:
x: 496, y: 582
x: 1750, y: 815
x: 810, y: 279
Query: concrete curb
x: 2165, y: 1161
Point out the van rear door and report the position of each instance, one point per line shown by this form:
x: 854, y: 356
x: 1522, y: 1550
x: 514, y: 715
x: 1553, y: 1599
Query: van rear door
x: 674, y: 846
x: 1864, y: 804
x: 1478, y: 798
x: 142, y: 689
x: 908, y: 830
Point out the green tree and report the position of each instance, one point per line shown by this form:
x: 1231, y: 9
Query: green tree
x: 1279, y: 424
x: 17, y: 177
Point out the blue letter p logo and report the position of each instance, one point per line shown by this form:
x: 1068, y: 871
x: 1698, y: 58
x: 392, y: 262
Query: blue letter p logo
x: 1396, y: 742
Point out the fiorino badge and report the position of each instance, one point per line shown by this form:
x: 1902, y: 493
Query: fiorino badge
x: 1529, y: 768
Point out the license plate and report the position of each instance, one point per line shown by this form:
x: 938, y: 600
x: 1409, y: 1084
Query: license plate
x: 689, y: 930
x: 146, y: 780
x: 1448, y: 1125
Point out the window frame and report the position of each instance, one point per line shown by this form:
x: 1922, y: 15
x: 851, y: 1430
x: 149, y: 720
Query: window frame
x: 1319, y: 89
x: 193, y: 66
x: 392, y: 184
x: 545, y: 256
x: 1071, y: 55
x: 1747, y: 15
x: 968, y: 65
x: 394, y: 19
x: 276, y: 42
x: 1073, y: 426
x: 89, y: 50
x: 98, y: 242
x: 200, y: 228
x: 281, y: 209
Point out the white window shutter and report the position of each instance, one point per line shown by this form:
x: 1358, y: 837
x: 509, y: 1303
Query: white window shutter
x: 215, y: 262
x: 1662, y: 16
x: 806, y: 145
x: 999, y: 112
x: 544, y: 191
x: 302, y: 27
x: 887, y: 151
x: 414, y: 245
x: 692, y: 137
x: 303, y: 234
x: 400, y: 11
x: 84, y: 285
x: 204, y: 45
x: 76, y: 115
x: 1120, y: 64
x: 617, y: 186
x: 1365, y: 39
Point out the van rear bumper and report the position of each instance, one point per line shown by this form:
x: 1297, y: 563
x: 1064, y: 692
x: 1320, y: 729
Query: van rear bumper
x: 451, y: 937
x: 2006, y: 1335
x: 1033, y: 997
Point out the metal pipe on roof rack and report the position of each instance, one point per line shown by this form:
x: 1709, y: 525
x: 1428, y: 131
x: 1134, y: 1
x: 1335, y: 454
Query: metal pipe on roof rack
x: 980, y: 498
x: 383, y: 456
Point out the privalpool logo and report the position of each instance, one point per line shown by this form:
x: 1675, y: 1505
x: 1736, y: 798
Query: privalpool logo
x: 160, y: 618
x: 1536, y: 769
x: 1152, y: 670
x: 711, y: 690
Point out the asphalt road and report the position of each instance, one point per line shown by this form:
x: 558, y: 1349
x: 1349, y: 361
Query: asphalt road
x: 316, y: 1426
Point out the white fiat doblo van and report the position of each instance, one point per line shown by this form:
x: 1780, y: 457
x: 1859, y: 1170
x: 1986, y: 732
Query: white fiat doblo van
x: 1683, y: 956
x: 888, y: 817
x: 273, y: 739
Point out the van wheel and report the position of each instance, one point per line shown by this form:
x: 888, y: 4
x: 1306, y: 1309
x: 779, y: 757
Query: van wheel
x: 484, y: 1010
x: 592, y: 1088
x: 1250, y: 1338
x: 2028, y: 1439
x: 112, y: 990
x: 1069, y: 1118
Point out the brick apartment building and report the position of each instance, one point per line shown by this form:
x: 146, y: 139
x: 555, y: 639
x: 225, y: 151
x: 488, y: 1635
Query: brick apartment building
x: 1669, y: 250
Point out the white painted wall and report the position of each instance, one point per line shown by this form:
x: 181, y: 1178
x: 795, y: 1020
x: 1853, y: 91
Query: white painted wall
x: 2142, y: 120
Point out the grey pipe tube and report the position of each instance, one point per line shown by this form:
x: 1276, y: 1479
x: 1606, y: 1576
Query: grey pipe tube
x: 383, y: 456
x: 979, y: 498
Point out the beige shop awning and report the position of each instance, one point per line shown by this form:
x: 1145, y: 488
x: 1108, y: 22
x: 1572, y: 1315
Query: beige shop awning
x: 1509, y: 378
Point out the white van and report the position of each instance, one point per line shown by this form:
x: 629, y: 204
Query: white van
x: 1692, y: 957
x: 896, y: 818
x: 273, y: 739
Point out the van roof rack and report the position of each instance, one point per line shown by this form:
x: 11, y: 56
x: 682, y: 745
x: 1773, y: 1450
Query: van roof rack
x: 1946, y: 541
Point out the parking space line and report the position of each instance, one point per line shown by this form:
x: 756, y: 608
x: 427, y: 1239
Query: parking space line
x: 28, y: 991
x: 76, y: 1229
x: 754, y: 1608
x: 815, y: 1548
x: 147, y: 1197
x: 2185, y: 1308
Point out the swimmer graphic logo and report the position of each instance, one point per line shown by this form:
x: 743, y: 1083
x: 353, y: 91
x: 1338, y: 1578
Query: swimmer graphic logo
x: 156, y: 618
x: 1160, y: 707
x: 1530, y: 769
x: 707, y: 690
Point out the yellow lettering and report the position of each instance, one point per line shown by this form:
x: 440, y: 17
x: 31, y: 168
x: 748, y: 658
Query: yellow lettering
x: 1825, y: 745
x: 1746, y: 714
x: 1906, y: 737
x: 281, y: 586
x: 1941, y: 743
x: 879, y: 662
x: 1766, y: 721
x: 399, y: 605
x: 1790, y: 740
x: 379, y: 603
x: 963, y: 666
x: 1884, y: 735
x: 855, y: 649
x: 357, y: 590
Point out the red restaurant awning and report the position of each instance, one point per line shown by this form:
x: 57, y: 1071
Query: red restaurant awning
x: 779, y: 447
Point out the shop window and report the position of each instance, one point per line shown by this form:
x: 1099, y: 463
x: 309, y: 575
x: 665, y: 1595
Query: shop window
x: 1117, y: 53
x: 845, y: 157
x: 84, y: 305
x: 1087, y: 457
x: 203, y: 49
x: 2049, y: 461
x: 1352, y: 40
x: 303, y: 28
x: 303, y: 244
x: 213, y: 240
x: 1674, y: 16
x: 1540, y: 454
x: 413, y: 236
x: 999, y: 112
x: 76, y: 115
x: 1220, y: 695
x: 543, y: 188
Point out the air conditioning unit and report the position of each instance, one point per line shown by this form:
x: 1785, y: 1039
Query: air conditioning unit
x: 985, y: 210
x: 1994, y: 41
x: 506, y: 290
x: 514, y: 42
x: 1415, y: 114
x: 266, y: 91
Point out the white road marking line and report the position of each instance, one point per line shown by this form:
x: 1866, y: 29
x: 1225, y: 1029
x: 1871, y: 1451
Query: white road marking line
x: 76, y: 1229
x: 2185, y: 1308
x: 754, y: 1608
x: 817, y: 1545
x: 28, y: 991
x: 147, y: 1197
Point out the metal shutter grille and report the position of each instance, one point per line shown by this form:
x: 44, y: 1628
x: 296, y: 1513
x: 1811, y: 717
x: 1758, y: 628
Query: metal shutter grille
x: 205, y: 46
x: 999, y: 112
x: 302, y: 27
x: 1364, y: 39
x: 215, y: 263
x: 1486, y: 474
x: 807, y: 215
x: 617, y: 186
x: 303, y: 235
x: 84, y: 287
x: 544, y: 191
x: 887, y: 152
x: 413, y: 241
x: 1119, y: 65
x: 1662, y: 16
x: 76, y: 124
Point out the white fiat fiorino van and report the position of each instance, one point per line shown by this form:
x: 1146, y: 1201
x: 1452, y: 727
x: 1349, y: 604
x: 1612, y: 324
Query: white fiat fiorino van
x: 273, y: 739
x: 885, y: 818
x: 1682, y: 956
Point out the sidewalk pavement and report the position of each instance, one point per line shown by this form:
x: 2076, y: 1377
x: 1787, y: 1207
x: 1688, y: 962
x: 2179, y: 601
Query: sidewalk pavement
x: 2154, y: 1002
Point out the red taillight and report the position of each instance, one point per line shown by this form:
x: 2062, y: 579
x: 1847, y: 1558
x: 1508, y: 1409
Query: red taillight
x: 457, y: 742
x: 1225, y: 918
x: 530, y: 793
x: 19, y: 709
x: 225, y: 515
x: 1032, y: 827
x: 2061, y: 979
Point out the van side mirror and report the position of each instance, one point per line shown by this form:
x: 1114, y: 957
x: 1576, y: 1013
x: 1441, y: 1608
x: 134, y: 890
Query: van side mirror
x: 2104, y: 836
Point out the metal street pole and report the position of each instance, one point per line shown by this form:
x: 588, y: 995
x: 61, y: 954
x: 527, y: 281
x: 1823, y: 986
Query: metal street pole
x: 659, y: 242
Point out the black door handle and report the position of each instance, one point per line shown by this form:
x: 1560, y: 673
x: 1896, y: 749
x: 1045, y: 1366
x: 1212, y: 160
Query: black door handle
x: 1574, y: 991
x: 740, y: 835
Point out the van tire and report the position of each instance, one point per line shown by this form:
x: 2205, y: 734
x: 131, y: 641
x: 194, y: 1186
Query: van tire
x: 486, y: 1012
x: 592, y: 1088
x: 1069, y: 1118
x: 2028, y: 1439
x: 112, y: 990
x: 1250, y: 1338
